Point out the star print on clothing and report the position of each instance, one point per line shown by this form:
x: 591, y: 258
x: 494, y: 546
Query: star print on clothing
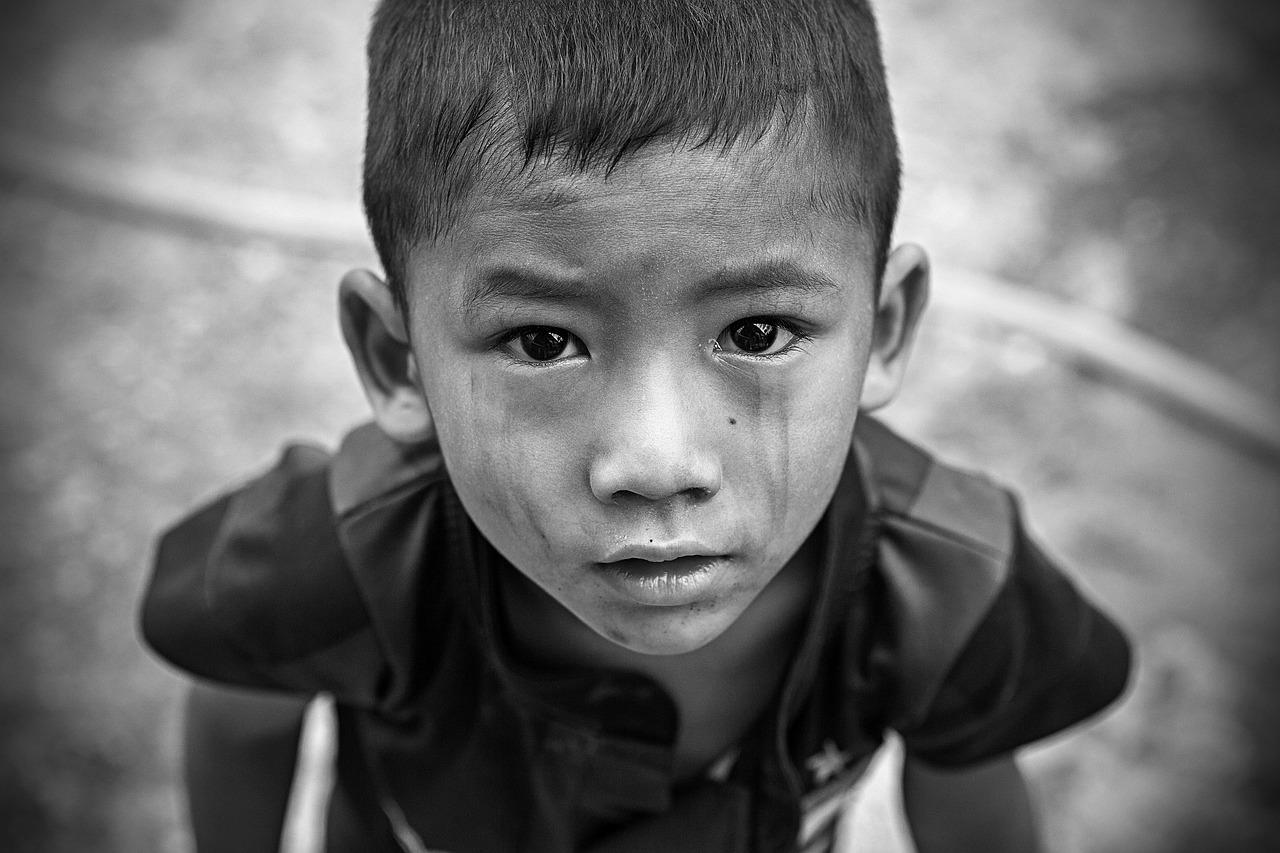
x: 828, y: 763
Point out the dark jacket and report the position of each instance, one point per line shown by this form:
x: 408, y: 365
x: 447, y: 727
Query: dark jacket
x: 360, y: 575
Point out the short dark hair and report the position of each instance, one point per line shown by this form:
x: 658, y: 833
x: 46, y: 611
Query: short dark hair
x: 464, y: 91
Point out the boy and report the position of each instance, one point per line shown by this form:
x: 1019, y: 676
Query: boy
x: 620, y: 566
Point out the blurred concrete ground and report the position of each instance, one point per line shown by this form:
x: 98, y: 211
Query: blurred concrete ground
x: 1120, y: 153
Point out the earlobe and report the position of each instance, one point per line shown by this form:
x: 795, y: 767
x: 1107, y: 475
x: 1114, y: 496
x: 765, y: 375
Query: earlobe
x: 377, y: 337
x: 904, y: 291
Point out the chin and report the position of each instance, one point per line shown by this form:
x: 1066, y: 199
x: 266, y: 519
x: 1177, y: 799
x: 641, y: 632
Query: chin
x: 669, y: 635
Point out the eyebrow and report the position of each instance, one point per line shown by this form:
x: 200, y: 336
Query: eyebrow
x: 768, y: 279
x: 772, y: 277
x: 510, y: 283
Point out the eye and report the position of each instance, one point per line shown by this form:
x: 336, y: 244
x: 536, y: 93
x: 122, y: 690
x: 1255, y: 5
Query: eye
x: 761, y: 336
x: 543, y: 344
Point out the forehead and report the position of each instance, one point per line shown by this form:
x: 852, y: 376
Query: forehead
x: 668, y: 213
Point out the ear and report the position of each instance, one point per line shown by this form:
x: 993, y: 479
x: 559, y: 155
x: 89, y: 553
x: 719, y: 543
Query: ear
x: 904, y: 291
x: 376, y: 335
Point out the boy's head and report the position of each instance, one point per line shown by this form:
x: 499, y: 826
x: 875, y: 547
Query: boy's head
x: 465, y: 95
x: 638, y: 283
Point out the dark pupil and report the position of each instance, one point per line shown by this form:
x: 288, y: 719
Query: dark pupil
x: 543, y: 344
x: 753, y: 336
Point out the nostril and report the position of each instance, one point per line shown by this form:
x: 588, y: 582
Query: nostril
x: 699, y: 494
x: 622, y: 497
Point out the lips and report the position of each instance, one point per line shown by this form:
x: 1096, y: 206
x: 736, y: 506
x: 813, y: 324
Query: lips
x: 661, y: 552
x: 654, y: 568
x: 665, y: 575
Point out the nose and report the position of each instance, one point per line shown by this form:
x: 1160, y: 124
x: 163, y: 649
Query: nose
x: 652, y: 444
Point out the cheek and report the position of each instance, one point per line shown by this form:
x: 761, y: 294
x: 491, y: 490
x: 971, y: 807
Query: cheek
x: 797, y: 438
x: 509, y: 454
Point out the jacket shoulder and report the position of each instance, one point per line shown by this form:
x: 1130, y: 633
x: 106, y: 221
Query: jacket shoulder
x: 255, y: 579
x: 957, y: 504
x: 987, y: 644
x: 946, y: 548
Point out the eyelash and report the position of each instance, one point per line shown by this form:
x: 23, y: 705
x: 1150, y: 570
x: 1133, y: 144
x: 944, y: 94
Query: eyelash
x: 508, y: 338
x: 798, y: 337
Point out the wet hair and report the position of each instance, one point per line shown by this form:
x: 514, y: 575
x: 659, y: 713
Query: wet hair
x: 464, y: 94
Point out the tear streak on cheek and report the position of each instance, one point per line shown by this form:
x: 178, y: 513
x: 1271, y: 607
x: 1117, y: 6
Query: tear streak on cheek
x: 502, y: 460
x: 769, y: 442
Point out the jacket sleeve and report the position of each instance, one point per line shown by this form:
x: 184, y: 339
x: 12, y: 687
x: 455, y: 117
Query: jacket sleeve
x: 973, y: 642
x: 253, y: 590
x: 1039, y: 658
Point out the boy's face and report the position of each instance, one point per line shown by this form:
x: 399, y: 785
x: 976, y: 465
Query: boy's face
x: 645, y: 385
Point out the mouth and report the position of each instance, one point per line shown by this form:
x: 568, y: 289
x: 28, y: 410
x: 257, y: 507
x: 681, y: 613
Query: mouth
x: 660, y: 552
x: 676, y: 578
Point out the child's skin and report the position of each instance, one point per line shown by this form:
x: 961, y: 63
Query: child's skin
x: 577, y: 343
